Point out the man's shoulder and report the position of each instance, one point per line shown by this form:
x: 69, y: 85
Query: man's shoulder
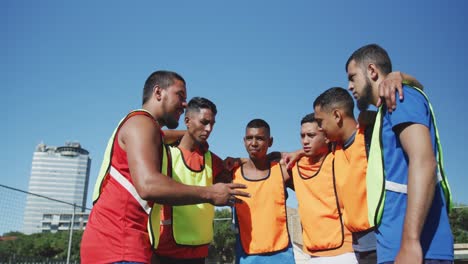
x: 412, y: 97
x: 414, y: 108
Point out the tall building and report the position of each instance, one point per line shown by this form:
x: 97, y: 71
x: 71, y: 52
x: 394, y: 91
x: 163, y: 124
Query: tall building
x: 59, y: 173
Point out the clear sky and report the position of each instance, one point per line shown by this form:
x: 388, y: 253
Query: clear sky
x: 70, y: 70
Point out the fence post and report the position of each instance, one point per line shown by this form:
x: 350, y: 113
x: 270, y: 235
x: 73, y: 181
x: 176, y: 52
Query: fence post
x: 71, y: 234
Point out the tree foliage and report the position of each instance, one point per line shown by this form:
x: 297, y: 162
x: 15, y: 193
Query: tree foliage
x: 43, y: 246
x: 223, y: 246
x: 39, y: 246
x: 459, y: 224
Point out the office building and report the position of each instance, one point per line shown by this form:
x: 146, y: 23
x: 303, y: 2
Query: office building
x: 61, y: 174
x: 61, y: 222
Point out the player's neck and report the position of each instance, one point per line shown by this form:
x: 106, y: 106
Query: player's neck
x: 188, y: 143
x: 256, y: 170
x: 260, y: 164
x: 349, y: 128
x: 317, y: 159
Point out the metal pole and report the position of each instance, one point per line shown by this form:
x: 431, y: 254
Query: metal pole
x: 293, y: 225
x: 71, y: 234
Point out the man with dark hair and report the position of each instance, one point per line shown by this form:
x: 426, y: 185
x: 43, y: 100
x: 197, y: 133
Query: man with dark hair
x: 261, y: 220
x: 326, y: 238
x: 405, y: 154
x: 132, y: 180
x: 362, y: 57
x: 334, y: 114
x: 183, y: 240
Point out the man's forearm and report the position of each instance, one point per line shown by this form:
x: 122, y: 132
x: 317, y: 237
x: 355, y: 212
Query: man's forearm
x: 410, y: 80
x: 164, y: 190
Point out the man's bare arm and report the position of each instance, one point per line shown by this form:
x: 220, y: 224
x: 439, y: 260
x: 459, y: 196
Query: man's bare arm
x: 287, y: 175
x: 411, y: 80
x: 416, y: 142
x: 228, y: 165
x: 289, y: 158
x: 140, y: 138
x: 172, y: 136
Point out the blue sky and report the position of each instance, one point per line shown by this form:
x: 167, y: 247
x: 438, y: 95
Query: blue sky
x: 71, y: 69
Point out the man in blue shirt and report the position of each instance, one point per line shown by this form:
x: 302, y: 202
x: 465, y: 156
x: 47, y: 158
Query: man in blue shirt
x: 414, y: 227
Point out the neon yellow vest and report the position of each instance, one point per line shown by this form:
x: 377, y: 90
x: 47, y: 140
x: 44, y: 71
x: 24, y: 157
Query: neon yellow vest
x: 155, y: 215
x: 376, y: 180
x: 107, y: 169
x: 192, y: 225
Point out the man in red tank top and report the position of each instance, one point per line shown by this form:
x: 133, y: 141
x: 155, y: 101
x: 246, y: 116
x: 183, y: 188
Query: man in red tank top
x: 117, y: 227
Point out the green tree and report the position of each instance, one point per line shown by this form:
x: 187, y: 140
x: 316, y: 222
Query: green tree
x: 459, y: 223
x: 40, y: 246
x: 223, y: 246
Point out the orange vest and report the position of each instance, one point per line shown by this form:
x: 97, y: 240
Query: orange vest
x: 323, y: 231
x: 262, y: 217
x: 350, y: 171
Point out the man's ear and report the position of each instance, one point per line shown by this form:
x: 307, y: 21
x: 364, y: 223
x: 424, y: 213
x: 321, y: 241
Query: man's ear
x: 372, y: 72
x: 157, y: 92
x: 337, y: 115
x: 186, y: 120
x: 271, y: 142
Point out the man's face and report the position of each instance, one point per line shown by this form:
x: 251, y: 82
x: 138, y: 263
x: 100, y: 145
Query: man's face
x: 256, y: 142
x: 200, y: 124
x: 314, y: 142
x: 359, y: 85
x: 326, y: 123
x: 174, y: 103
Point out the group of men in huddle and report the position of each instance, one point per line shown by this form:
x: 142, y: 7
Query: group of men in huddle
x: 372, y: 191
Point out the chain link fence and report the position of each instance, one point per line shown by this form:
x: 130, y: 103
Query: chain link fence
x: 36, y: 229
x: 39, y: 229
x: 50, y: 231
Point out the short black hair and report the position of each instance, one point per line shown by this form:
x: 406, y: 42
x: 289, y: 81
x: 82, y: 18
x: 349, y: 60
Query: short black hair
x: 163, y: 79
x: 197, y: 103
x: 371, y: 53
x: 309, y: 118
x: 336, y: 97
x: 258, y: 123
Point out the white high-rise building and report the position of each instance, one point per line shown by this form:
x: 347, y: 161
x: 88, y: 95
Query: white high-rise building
x: 59, y: 173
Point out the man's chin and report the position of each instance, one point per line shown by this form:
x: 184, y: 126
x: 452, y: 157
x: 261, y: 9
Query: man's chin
x: 362, y: 105
x: 202, y: 142
x: 171, y: 123
x: 255, y: 155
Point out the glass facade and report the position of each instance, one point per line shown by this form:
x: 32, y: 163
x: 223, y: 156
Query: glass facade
x: 60, y: 173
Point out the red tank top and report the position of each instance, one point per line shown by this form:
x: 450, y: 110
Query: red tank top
x: 117, y: 226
